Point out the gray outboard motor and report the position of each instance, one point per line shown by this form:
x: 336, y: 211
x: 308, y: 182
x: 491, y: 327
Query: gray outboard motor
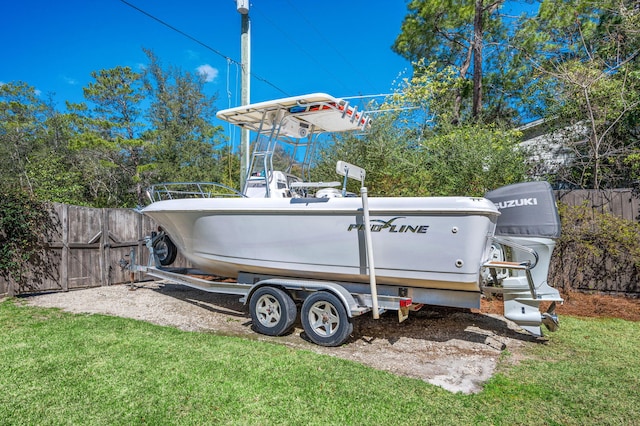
x: 527, y: 209
x: 529, y: 225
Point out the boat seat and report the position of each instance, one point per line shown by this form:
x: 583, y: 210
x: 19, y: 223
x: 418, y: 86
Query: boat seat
x: 329, y: 193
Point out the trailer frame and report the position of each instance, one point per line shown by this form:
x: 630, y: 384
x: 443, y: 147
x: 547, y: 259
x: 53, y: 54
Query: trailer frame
x: 273, y: 301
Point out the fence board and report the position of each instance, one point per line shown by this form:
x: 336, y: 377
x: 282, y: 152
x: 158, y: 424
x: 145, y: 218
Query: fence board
x: 618, y: 202
x: 83, y: 242
x: 123, y: 235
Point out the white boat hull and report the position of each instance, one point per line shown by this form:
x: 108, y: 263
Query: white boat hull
x: 435, y: 242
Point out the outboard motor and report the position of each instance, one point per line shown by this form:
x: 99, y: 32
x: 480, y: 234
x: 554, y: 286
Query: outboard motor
x: 528, y: 226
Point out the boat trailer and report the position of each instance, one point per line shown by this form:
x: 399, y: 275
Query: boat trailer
x: 327, y: 307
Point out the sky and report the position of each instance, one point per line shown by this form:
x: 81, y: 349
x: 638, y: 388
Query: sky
x: 342, y: 48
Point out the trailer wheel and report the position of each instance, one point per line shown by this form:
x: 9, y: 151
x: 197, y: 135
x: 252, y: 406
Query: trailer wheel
x: 165, y: 250
x: 273, y: 311
x: 325, y: 320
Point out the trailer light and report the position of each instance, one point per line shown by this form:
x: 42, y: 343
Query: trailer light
x: 404, y: 303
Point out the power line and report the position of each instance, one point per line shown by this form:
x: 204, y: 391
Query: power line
x: 379, y: 95
x: 206, y: 46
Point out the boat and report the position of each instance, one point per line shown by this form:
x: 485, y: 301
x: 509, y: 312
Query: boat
x: 435, y: 250
x: 434, y: 242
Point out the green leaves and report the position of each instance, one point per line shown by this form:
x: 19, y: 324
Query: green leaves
x: 414, y: 158
x: 22, y: 123
x: 182, y: 139
x: 470, y: 160
x: 470, y: 39
x: 134, y: 128
x: 23, y: 222
x: 599, y: 247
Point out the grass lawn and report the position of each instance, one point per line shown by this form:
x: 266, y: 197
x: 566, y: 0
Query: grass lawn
x: 61, y: 368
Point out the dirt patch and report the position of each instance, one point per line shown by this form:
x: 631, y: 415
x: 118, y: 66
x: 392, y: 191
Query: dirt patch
x: 596, y: 305
x: 453, y: 348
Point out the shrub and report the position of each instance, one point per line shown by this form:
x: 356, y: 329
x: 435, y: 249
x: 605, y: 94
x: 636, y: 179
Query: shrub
x: 597, y: 251
x: 23, y: 222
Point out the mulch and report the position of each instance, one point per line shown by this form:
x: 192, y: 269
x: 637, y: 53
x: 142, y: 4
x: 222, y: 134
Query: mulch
x: 583, y: 305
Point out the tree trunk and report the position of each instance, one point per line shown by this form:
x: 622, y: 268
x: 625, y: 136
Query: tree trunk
x: 457, y: 107
x: 477, y: 59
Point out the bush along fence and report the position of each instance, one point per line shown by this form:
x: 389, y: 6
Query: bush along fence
x: 599, y: 249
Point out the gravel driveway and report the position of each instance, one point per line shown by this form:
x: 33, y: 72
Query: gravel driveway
x: 452, y: 348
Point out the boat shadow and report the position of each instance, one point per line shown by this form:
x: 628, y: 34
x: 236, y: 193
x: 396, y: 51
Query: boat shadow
x: 226, y: 304
x: 441, y: 324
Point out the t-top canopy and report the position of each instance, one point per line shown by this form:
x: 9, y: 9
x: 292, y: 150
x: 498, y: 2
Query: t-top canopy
x: 297, y: 115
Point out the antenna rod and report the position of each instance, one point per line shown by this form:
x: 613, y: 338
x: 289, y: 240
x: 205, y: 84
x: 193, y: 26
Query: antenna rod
x: 245, y: 55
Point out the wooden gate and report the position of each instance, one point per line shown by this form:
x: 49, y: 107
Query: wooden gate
x: 84, y: 249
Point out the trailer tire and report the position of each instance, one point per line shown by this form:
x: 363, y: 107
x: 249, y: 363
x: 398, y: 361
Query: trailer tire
x: 325, y: 320
x: 273, y: 311
x: 165, y: 250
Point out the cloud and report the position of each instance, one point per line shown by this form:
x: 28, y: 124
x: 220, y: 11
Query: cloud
x: 70, y: 81
x: 209, y: 72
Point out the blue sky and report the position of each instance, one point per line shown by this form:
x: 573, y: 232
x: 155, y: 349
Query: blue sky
x: 338, y: 47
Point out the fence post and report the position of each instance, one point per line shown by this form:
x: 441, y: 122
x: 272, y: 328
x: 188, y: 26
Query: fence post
x: 64, y: 260
x: 139, y: 248
x: 12, y: 287
x: 104, y: 248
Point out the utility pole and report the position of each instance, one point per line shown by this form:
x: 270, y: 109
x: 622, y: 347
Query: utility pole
x: 245, y: 58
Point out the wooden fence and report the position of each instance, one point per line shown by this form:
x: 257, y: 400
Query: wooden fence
x: 86, y: 245
x: 618, y: 202
x: 586, y: 268
x: 84, y: 248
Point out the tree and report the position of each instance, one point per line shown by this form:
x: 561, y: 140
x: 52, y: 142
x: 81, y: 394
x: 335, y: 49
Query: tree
x: 121, y: 146
x: 392, y: 164
x: 185, y: 145
x: 414, y: 150
x: 585, y: 60
x: 53, y: 169
x: 456, y: 35
x: 33, y: 146
x: 134, y: 129
x: 22, y: 117
x: 473, y: 159
x: 111, y: 130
